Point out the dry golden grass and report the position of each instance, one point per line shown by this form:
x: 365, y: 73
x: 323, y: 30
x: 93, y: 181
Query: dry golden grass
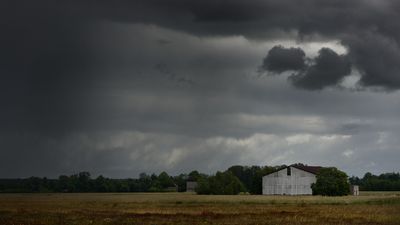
x: 181, y: 208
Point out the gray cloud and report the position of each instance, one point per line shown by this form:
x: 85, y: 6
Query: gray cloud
x: 280, y: 59
x: 329, y: 69
x: 308, y: 20
x: 80, y: 90
x: 377, y: 57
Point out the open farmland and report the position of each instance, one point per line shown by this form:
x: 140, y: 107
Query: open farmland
x: 182, y: 208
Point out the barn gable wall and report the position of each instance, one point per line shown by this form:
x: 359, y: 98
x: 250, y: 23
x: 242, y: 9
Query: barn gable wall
x: 279, y: 183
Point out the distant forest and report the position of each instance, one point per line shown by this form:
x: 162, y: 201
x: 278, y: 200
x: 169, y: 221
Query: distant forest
x: 232, y: 181
x: 383, y: 182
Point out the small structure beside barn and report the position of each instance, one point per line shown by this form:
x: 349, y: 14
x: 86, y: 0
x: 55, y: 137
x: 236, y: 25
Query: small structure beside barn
x: 291, y: 180
x: 354, y: 190
x: 172, y: 188
x: 191, y: 186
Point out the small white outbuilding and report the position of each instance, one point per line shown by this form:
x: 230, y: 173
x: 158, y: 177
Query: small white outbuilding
x: 291, y: 180
x: 191, y: 186
x: 354, y: 190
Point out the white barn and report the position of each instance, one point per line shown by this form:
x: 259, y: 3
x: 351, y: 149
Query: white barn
x: 291, y: 180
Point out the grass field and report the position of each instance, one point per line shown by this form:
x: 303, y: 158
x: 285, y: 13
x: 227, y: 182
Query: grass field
x: 182, y: 208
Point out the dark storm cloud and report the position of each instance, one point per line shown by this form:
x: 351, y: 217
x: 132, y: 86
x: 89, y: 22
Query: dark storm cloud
x: 57, y: 27
x: 377, y: 57
x: 328, y: 69
x: 116, y: 86
x: 280, y: 59
x: 347, y: 21
x: 338, y: 19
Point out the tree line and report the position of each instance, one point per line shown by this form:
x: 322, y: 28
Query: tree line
x: 382, y: 182
x: 232, y: 181
x: 236, y: 179
x: 83, y: 182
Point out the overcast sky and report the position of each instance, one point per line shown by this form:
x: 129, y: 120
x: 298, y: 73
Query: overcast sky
x: 122, y: 87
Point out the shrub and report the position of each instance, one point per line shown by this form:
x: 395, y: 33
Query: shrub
x: 331, y: 182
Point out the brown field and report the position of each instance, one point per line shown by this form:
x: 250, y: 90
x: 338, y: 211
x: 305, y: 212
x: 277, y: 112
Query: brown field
x: 182, y: 208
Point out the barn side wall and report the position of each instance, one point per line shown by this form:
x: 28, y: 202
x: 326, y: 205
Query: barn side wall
x: 279, y: 183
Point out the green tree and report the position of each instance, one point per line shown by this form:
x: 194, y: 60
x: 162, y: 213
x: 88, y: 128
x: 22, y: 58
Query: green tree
x: 100, y: 184
x: 144, y: 183
x: 180, y: 181
x: 33, y: 184
x: 223, y: 183
x: 331, y: 182
x: 194, y: 175
x: 83, y: 182
x: 203, y: 186
x: 165, y: 180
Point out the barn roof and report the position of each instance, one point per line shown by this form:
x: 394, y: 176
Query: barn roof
x: 310, y: 169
